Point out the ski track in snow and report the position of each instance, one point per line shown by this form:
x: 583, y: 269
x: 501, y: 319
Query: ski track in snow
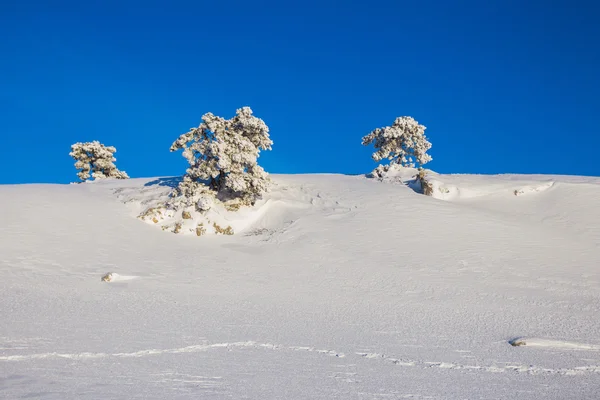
x: 187, y: 349
x: 402, y: 362
x: 499, y: 368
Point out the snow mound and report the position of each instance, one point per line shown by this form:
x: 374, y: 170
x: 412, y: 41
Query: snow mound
x: 554, y: 344
x: 148, y: 204
x: 278, y: 208
x: 452, y: 189
x: 114, y: 277
x: 456, y: 187
x: 529, y: 189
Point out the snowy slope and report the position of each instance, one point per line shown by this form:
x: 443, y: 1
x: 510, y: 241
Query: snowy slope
x: 334, y: 287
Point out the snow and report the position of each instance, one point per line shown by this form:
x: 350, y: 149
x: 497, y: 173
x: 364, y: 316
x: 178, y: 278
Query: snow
x: 333, y: 287
x: 557, y: 344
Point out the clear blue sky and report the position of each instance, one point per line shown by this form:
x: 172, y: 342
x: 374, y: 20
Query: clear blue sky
x: 502, y: 85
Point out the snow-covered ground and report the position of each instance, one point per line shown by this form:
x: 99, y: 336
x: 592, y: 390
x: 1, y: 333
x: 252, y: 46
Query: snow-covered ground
x: 333, y: 287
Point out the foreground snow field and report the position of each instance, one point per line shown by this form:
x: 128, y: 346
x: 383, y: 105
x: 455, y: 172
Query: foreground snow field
x: 333, y: 287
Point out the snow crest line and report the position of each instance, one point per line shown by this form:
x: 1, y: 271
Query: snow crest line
x: 528, y: 369
x: 150, y: 352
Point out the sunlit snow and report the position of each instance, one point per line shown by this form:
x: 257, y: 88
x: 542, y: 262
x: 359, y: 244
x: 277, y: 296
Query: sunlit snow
x: 333, y: 287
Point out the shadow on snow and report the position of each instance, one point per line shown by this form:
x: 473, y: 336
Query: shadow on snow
x: 171, y: 182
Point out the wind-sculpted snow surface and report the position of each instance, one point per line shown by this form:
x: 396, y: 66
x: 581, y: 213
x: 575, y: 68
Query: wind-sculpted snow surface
x: 333, y: 287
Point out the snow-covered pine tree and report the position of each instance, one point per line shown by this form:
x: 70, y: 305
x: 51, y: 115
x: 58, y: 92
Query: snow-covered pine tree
x: 403, y: 143
x: 96, y: 160
x: 223, y: 153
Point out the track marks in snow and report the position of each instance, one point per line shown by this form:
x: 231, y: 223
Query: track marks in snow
x: 396, y: 361
x: 179, y: 350
x: 312, y: 349
x: 498, y: 368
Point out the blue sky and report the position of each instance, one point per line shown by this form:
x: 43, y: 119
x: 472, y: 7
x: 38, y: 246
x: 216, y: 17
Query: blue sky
x: 502, y: 86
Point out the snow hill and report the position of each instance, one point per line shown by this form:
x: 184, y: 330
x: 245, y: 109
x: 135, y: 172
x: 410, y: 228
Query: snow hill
x: 333, y: 287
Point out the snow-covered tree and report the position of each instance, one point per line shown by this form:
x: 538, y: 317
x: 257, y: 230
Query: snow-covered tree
x: 403, y: 143
x: 96, y: 160
x: 191, y: 193
x: 224, y: 153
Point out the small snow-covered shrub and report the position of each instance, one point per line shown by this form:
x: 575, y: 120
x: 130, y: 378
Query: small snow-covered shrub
x: 403, y: 143
x: 426, y: 186
x: 97, y: 159
x: 177, y: 227
x: 156, y: 214
x: 203, y: 204
x: 379, y: 172
x: 200, y: 229
x: 222, y: 231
